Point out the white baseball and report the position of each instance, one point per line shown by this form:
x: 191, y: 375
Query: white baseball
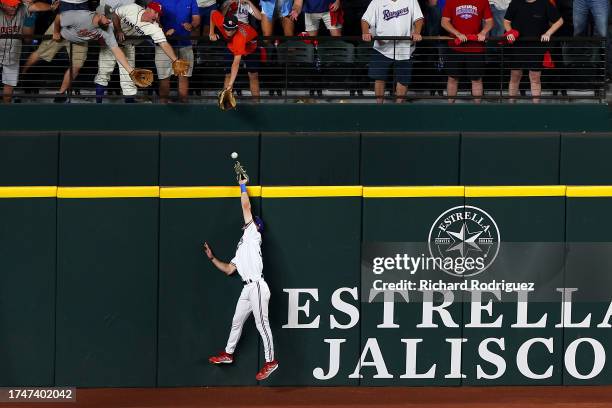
x: 234, y: 155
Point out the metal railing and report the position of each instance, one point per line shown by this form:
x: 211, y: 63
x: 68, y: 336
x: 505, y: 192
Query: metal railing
x: 332, y: 69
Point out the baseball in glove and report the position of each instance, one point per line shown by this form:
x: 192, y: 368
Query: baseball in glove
x: 142, y: 77
x: 180, y: 67
x: 227, y: 101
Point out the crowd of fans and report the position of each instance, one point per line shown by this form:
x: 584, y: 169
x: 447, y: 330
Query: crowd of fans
x: 526, y: 26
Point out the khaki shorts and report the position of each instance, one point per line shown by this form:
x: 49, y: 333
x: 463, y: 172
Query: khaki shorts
x: 49, y: 48
x: 312, y: 21
x: 164, y: 65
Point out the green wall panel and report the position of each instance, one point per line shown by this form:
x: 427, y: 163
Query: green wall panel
x: 311, y: 243
x: 318, y: 159
x: 28, y: 158
x: 197, y: 301
x: 107, y: 292
x: 407, y: 220
x: 585, y: 158
x: 109, y: 159
x: 427, y: 158
x: 27, y: 291
x: 498, y: 158
x: 203, y: 159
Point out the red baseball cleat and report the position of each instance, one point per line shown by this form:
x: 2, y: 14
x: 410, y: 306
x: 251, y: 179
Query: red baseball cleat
x: 266, y: 370
x: 222, y: 358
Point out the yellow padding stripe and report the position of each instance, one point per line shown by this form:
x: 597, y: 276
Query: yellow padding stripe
x: 416, y: 191
x: 207, y: 192
x: 28, y: 192
x: 515, y: 191
x: 589, y: 191
x: 311, y: 191
x: 108, y: 192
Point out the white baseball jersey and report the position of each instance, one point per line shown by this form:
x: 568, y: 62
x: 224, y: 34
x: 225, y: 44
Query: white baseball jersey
x: 248, y: 260
x: 393, y: 18
x: 10, y: 48
x: 132, y: 24
x: 241, y: 10
x: 205, y: 3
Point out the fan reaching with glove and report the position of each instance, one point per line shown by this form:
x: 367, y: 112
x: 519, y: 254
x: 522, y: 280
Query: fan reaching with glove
x: 241, y: 45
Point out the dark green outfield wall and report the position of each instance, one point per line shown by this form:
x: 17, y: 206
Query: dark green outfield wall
x: 116, y: 292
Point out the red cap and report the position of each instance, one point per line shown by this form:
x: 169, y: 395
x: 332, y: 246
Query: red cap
x: 11, y: 3
x: 155, y: 6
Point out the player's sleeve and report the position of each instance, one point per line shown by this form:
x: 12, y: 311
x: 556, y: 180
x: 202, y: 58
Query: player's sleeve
x: 370, y: 14
x: 155, y: 32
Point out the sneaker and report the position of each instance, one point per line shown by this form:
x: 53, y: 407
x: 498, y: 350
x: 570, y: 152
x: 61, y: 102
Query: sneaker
x: 222, y: 358
x: 60, y: 98
x: 266, y: 370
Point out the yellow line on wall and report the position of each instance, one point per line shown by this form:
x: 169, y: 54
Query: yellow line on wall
x: 589, y: 191
x: 28, y: 192
x: 515, y: 191
x: 108, y: 192
x: 416, y: 191
x: 207, y: 192
x: 311, y: 191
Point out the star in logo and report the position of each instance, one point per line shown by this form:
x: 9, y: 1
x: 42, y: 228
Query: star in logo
x: 462, y: 239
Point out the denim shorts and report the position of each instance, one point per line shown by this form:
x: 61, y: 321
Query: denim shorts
x: 380, y: 66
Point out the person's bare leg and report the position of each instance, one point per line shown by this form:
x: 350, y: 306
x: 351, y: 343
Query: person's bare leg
x: 477, y: 90
x: 7, y: 94
x: 164, y: 90
x: 31, y: 61
x: 400, y: 93
x: 379, y: 91
x: 267, y: 26
x: 183, y: 89
x: 254, y: 85
x: 288, y: 26
x: 451, y: 88
x: 335, y: 32
x: 515, y: 81
x: 535, y: 78
x: 69, y: 78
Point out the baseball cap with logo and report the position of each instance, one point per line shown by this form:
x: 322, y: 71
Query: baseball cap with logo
x: 155, y: 6
x: 230, y: 22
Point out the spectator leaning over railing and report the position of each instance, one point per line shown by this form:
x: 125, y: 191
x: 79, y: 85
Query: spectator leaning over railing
x: 469, y: 21
x: 529, y: 19
x: 179, y: 18
x: 392, y: 18
x: 12, y: 15
x: 241, y: 41
x: 130, y: 20
x: 316, y: 10
x: 242, y: 9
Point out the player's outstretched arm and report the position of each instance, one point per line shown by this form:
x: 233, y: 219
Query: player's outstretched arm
x: 245, y: 202
x: 226, y: 268
x: 167, y: 48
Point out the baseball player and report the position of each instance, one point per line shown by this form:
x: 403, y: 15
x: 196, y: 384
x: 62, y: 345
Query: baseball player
x: 241, y: 42
x: 130, y: 20
x: 12, y: 16
x: 255, y: 294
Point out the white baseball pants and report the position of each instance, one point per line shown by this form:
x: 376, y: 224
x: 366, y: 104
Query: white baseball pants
x: 106, y: 66
x: 254, y: 298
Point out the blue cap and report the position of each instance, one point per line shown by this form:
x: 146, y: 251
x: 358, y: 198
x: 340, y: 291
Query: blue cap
x: 259, y: 222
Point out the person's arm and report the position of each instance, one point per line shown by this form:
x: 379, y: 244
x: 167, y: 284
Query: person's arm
x: 245, y: 202
x: 117, y: 26
x: 167, y: 48
x: 39, y: 6
x: 226, y: 268
x: 416, y: 30
x: 211, y: 31
x: 234, y: 71
x: 450, y: 28
x: 225, y: 6
x: 296, y: 9
x: 365, y: 31
x: 255, y: 12
x: 335, y: 6
x: 195, y: 21
x: 488, y: 26
x: 57, y: 28
x: 553, y: 29
x: 120, y: 56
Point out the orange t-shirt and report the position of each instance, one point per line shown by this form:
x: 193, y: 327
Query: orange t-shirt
x: 243, y: 42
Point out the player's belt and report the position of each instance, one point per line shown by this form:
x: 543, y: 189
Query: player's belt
x: 247, y: 281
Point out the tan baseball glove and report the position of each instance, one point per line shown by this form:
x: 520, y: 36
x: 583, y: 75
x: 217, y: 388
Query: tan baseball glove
x: 180, y: 67
x: 226, y: 100
x: 142, y: 77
